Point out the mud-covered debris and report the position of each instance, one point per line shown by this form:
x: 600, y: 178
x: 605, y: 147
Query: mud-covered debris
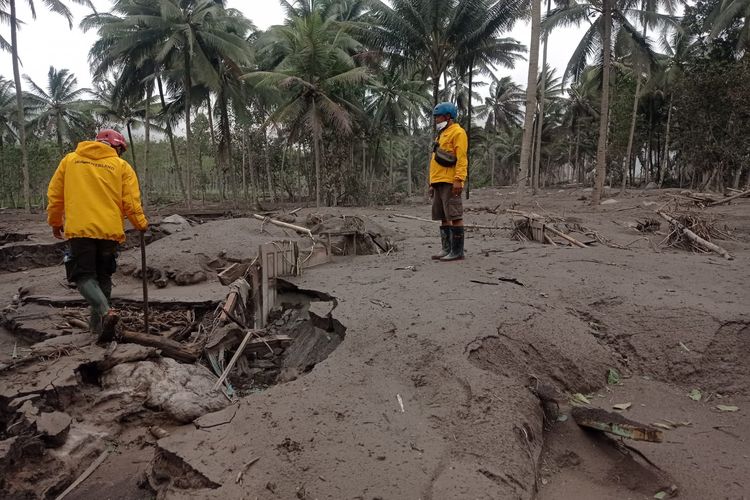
x: 54, y: 427
x: 174, y: 224
x: 648, y: 225
x: 730, y: 408
x: 183, y: 391
x: 352, y: 235
x: 615, y: 423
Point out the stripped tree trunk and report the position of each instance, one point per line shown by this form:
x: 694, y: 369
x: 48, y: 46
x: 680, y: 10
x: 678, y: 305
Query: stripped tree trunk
x: 601, y: 149
x: 528, y: 121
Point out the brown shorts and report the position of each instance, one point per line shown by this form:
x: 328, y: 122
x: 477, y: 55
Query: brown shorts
x: 445, y: 206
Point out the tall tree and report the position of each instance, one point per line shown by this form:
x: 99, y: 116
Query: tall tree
x: 502, y: 108
x: 58, y: 7
x: 59, y: 107
x: 528, y: 121
x: 314, y: 71
x: 601, y: 15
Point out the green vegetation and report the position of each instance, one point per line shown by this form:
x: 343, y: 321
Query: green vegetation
x: 333, y: 106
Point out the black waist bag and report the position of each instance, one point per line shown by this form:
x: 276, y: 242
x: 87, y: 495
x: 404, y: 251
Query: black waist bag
x: 444, y: 158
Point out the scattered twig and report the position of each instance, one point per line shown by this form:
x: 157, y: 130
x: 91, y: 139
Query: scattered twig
x: 233, y: 360
x: 90, y: 470
x: 242, y: 472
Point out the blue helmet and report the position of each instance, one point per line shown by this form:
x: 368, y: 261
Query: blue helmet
x: 445, y: 108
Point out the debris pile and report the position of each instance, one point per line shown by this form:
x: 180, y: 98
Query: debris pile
x: 351, y: 235
x: 541, y: 229
x: 648, y: 225
x: 693, y: 232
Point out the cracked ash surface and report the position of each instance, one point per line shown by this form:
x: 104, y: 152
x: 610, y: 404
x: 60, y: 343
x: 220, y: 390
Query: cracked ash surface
x: 461, y: 357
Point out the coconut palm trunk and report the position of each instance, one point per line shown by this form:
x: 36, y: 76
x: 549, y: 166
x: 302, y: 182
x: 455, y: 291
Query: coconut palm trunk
x: 19, y: 107
x: 188, y: 132
x: 170, y: 135
x: 540, y: 119
x: 316, y: 148
x: 132, y: 147
x: 631, y: 135
x: 601, y: 148
x: 528, y: 121
x: 468, y: 129
x: 666, y: 146
x: 144, y: 181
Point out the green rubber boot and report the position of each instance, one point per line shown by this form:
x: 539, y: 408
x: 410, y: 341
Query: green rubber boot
x: 457, y: 245
x: 89, y: 288
x: 445, y: 241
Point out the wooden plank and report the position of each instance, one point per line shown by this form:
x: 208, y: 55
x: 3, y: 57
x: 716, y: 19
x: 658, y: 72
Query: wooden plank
x: 320, y: 255
x: 264, y: 272
x: 615, y: 423
x: 566, y: 237
x: 232, y: 273
x: 257, y: 299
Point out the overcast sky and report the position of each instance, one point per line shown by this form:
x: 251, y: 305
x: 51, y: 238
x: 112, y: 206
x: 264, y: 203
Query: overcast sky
x: 48, y: 41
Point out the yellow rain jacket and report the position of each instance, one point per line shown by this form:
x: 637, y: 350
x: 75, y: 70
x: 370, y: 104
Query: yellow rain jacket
x: 453, y: 140
x: 91, y: 191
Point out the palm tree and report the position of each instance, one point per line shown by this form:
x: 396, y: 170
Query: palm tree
x: 600, y: 14
x: 392, y: 99
x: 182, y: 38
x: 727, y: 13
x: 528, y: 132
x: 314, y: 71
x: 128, y: 49
x: 7, y: 120
x: 439, y: 33
x: 58, y: 7
x: 502, y: 108
x: 128, y: 110
x: 59, y: 107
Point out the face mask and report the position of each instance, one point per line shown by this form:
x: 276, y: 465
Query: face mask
x: 440, y: 126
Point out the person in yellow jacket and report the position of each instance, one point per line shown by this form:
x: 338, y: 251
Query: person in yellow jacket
x: 90, y: 193
x: 448, y: 169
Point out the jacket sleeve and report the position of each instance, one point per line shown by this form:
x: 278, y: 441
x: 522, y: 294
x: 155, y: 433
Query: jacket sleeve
x: 131, y: 199
x: 56, y: 196
x: 461, y: 144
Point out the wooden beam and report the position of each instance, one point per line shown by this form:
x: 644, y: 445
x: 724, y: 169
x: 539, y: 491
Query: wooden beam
x: 275, y: 222
x: 168, y: 347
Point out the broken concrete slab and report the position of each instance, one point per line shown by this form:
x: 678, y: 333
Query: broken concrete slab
x: 54, y: 427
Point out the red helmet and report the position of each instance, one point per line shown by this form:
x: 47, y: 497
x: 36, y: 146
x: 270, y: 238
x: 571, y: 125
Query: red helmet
x: 112, y: 137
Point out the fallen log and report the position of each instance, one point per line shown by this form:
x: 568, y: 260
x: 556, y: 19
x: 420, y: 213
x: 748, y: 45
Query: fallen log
x: 729, y: 198
x: 168, y: 347
x: 707, y: 245
x: 275, y: 222
x: 614, y: 423
x: 67, y: 301
x: 564, y: 236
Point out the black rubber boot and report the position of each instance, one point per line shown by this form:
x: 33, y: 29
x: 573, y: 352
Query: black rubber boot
x: 457, y: 245
x: 445, y: 240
